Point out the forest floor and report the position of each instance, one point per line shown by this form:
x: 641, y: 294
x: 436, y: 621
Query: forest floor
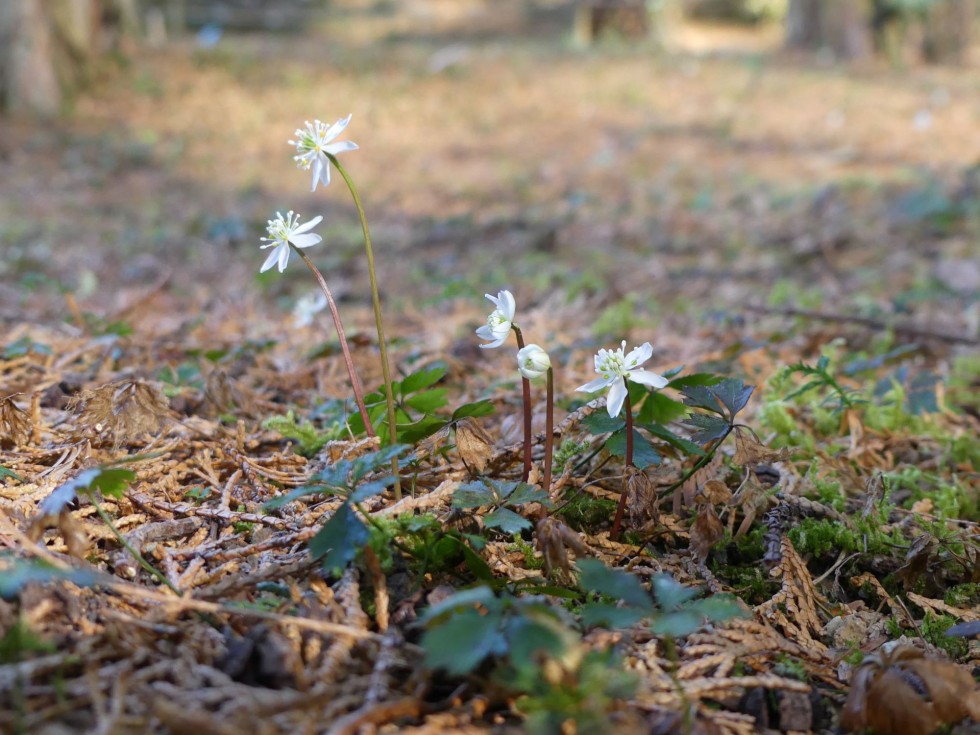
x: 764, y: 221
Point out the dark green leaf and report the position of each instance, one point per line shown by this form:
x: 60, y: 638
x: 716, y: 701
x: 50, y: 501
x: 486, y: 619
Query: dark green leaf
x: 459, y: 644
x: 610, y: 616
x: 473, y: 495
x: 339, y: 540
x: 374, y: 461
x: 644, y: 454
x: 416, y: 432
x: 482, y: 596
x: 109, y: 481
x: 694, y: 379
x: 534, y: 635
x: 719, y: 608
x: 15, y: 573
x: 296, y: 494
x: 474, y: 410
x: 428, y: 401
x: 733, y: 394
x: 707, y: 428
x: 662, y: 432
x: 597, y: 577
x: 506, y: 521
x: 701, y: 396
x: 422, y: 379
x: 372, y: 488
x: 475, y: 563
x: 525, y: 493
x: 659, y: 409
x: 600, y: 422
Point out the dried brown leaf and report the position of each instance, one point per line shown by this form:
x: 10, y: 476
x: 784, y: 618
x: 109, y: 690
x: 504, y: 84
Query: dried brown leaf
x: 641, y: 498
x: 715, y: 492
x: 706, y: 531
x: 474, y: 444
x: 554, y: 539
x: 15, y: 423
x: 748, y: 451
x: 124, y: 410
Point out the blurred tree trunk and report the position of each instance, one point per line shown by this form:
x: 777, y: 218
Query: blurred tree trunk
x: 48, y: 47
x: 842, y: 26
x: 949, y: 31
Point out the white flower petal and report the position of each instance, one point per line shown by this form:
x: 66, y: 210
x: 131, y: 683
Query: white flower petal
x: 494, y: 344
x: 595, y: 385
x: 507, y: 304
x: 270, y: 261
x: 645, y: 377
x: 639, y: 355
x: 305, y: 241
x: 337, y: 128
x: 340, y: 147
x: 283, y: 258
x: 308, y: 225
x: 616, y: 397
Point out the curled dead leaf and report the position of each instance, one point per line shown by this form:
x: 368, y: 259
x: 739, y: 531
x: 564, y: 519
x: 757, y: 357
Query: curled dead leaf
x: 474, y: 444
x: 748, y: 451
x: 706, y: 531
x: 124, y: 409
x: 15, y: 423
x: 554, y: 539
x: 714, y: 492
x: 641, y: 498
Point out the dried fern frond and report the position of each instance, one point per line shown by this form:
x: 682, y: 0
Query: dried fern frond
x: 124, y: 410
x: 15, y: 423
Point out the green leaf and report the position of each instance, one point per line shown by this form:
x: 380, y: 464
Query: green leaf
x: 5, y: 472
x: 644, y: 454
x: 15, y: 573
x: 476, y: 564
x: 428, y: 401
x: 610, y: 615
x: 670, y: 593
x: 701, y: 396
x: 733, y: 394
x: 707, y: 428
x: 482, y: 596
x: 601, y: 422
x: 597, y: 577
x: 676, y: 624
x: 476, y: 409
x: 339, y: 540
x: 108, y: 481
x: 719, y: 608
x: 535, y: 635
x: 659, y: 409
x: 506, y: 521
x: 459, y: 644
x: 416, y: 432
x: 474, y: 495
x: 694, y: 379
x: 374, y: 461
x: 662, y: 432
x: 525, y: 493
x: 422, y: 379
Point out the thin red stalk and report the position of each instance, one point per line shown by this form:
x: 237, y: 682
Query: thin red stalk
x: 618, y: 520
x: 526, y: 386
x: 549, y: 430
x: 348, y: 361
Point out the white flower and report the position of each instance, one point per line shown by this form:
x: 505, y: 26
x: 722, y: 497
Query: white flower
x: 313, y: 145
x: 500, y: 321
x: 533, y: 362
x: 307, y: 306
x: 286, y: 231
x: 615, y: 369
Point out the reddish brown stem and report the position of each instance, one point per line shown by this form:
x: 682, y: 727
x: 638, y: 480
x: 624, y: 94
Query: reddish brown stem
x: 549, y: 430
x: 526, y: 385
x: 348, y: 361
x: 618, y: 520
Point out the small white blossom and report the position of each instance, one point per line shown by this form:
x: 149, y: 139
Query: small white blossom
x: 313, y: 144
x: 533, y: 362
x: 307, y: 306
x: 286, y: 231
x: 615, y: 368
x: 500, y: 320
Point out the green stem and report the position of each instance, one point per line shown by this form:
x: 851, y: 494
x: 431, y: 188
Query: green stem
x: 549, y: 430
x: 126, y: 545
x: 617, y: 521
x: 344, y: 347
x: 526, y: 391
x: 379, y: 323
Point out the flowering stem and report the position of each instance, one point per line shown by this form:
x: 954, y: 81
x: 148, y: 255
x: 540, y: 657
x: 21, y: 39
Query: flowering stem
x: 617, y: 521
x: 376, y: 303
x: 549, y: 430
x: 526, y: 386
x: 348, y: 361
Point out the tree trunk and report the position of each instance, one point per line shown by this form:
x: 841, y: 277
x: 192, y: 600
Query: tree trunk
x: 841, y: 26
x: 948, y: 31
x: 28, y: 80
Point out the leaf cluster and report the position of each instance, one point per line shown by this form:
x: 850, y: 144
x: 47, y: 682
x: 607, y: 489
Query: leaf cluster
x: 504, y: 498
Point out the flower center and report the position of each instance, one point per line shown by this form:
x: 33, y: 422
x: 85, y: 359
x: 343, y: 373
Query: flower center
x: 496, y: 319
x: 613, y: 364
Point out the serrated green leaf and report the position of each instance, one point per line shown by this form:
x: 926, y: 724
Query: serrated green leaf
x: 474, y: 410
x: 659, y: 409
x: 733, y: 394
x: 374, y: 461
x: 340, y: 539
x: 473, y: 495
x: 609, y: 615
x: 694, y: 379
x: 644, y: 454
x: 506, y: 521
x: 719, y: 608
x: 707, y: 427
x: 428, y: 401
x: 372, y: 488
x: 597, y: 577
x: 422, y: 379
x: 600, y: 422
x: 417, y: 431
x: 459, y: 644
x: 525, y: 493
x: 700, y: 396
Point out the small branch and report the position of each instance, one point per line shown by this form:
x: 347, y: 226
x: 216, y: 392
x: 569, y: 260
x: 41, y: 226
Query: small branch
x: 879, y: 324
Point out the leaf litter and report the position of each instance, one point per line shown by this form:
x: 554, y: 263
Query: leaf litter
x: 815, y: 571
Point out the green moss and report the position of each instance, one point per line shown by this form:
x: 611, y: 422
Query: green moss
x: 531, y: 561
x: 934, y: 627
x: 584, y: 512
x: 963, y: 595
